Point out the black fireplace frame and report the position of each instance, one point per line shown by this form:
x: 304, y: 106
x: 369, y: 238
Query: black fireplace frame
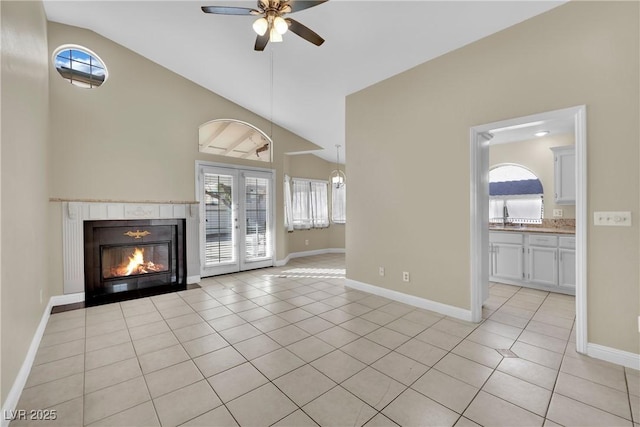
x: 100, y: 234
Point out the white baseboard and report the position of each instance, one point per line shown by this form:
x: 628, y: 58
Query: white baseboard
x: 10, y: 404
x: 448, y: 310
x: 285, y: 261
x: 619, y: 357
x: 66, y: 299
x: 282, y: 262
x: 193, y: 279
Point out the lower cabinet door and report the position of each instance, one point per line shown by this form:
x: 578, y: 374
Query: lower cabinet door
x: 507, y: 261
x: 543, y: 265
x: 567, y: 268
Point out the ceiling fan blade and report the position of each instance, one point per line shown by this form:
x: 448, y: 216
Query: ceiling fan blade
x: 304, y: 32
x: 298, y: 5
x: 261, y: 42
x: 229, y: 10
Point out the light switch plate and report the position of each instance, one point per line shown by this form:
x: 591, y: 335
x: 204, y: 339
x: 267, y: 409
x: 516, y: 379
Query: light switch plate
x: 616, y: 219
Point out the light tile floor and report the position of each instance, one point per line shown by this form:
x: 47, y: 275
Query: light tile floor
x: 293, y: 346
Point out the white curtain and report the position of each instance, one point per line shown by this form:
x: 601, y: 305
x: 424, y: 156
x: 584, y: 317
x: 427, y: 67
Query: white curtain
x: 288, y: 207
x: 525, y: 210
x: 521, y: 209
x: 319, y: 204
x: 301, y: 206
x: 310, y: 204
x: 339, y: 204
x: 495, y: 210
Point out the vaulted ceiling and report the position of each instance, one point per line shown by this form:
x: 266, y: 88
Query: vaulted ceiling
x: 300, y: 86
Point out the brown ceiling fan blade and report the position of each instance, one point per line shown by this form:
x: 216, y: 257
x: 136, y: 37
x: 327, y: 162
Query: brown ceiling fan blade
x: 261, y: 42
x: 229, y: 10
x: 304, y: 32
x: 298, y: 5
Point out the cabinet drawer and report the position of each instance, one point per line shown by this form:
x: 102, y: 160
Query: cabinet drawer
x: 567, y: 242
x: 540, y: 240
x: 515, y: 238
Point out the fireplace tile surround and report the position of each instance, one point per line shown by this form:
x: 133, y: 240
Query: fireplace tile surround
x: 76, y: 212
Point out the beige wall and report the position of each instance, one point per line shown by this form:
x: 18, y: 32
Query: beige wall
x: 136, y: 137
x: 24, y: 177
x: 535, y: 155
x: 313, y: 167
x: 408, y: 150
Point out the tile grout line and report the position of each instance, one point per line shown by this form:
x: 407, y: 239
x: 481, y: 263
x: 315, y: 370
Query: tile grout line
x: 496, y: 368
x: 292, y: 286
x: 270, y: 381
x: 312, y: 367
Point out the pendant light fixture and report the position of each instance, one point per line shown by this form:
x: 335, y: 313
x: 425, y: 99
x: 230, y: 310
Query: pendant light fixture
x: 338, y: 177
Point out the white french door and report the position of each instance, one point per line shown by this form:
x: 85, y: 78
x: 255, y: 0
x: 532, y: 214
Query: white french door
x: 236, y: 219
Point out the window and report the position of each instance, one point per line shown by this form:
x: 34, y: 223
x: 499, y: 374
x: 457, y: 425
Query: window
x: 339, y: 203
x: 310, y: 204
x: 79, y: 66
x: 515, y: 195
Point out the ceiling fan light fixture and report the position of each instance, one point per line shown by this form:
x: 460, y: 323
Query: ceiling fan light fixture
x: 280, y: 25
x: 260, y: 26
x: 271, y: 23
x: 275, y: 36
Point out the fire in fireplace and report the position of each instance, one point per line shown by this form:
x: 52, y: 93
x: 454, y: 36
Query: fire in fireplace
x: 133, y: 258
x: 117, y: 263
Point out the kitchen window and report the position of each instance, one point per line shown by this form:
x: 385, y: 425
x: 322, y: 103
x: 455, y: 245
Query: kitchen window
x: 515, y: 195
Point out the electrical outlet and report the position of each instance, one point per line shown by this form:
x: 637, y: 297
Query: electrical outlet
x: 306, y: 242
x: 405, y: 276
x: 381, y: 271
x: 558, y: 213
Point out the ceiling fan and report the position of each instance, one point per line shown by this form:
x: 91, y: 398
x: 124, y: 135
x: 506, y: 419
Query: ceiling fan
x: 272, y: 25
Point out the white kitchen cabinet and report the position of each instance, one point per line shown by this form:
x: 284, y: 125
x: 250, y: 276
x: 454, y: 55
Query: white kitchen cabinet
x: 564, y: 174
x: 567, y: 263
x: 542, y: 265
x: 508, y: 261
x: 535, y: 260
x: 542, y: 257
x: 506, y: 256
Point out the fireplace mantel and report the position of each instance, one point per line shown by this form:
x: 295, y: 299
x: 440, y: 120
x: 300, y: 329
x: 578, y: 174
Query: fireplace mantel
x: 75, y: 212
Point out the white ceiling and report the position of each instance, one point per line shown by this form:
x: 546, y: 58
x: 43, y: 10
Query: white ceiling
x: 526, y: 131
x: 366, y: 42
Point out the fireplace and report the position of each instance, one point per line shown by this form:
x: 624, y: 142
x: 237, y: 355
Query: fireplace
x: 127, y: 259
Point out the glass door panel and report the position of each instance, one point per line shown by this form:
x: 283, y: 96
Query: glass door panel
x: 219, y: 222
x: 257, y: 218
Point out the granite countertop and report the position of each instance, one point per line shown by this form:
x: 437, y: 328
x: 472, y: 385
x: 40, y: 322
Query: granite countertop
x: 533, y: 229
